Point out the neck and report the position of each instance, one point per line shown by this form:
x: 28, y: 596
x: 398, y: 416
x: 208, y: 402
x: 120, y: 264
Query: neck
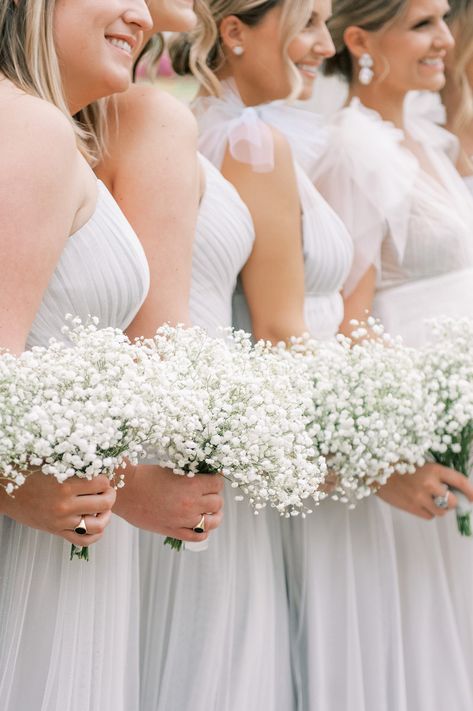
x: 451, y: 99
x: 388, y: 104
x: 250, y: 94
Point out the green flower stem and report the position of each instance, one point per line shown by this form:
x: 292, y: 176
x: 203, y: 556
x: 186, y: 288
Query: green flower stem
x: 80, y: 552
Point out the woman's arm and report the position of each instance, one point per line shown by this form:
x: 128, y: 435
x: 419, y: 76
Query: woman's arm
x: 153, y: 173
x: 413, y: 493
x: 46, y: 192
x: 152, y: 170
x: 273, y: 277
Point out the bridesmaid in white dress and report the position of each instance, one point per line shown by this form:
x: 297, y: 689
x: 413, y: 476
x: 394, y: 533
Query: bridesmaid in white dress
x: 387, y: 173
x: 151, y: 168
x: 66, y: 247
x: 224, y: 639
x: 341, y: 565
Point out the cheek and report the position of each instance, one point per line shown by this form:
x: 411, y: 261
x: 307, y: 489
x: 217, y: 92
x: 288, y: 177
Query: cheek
x: 299, y: 48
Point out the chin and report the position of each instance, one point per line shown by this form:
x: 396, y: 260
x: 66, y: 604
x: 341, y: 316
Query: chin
x: 117, y: 82
x: 435, y: 84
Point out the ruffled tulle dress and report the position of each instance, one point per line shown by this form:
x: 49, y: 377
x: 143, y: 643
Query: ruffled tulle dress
x: 416, y: 228
x: 340, y: 565
x: 69, y: 629
x: 214, y: 626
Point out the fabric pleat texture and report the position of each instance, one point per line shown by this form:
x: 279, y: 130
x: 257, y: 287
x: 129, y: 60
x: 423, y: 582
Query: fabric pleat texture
x: 214, y: 626
x: 431, y: 571
x: 340, y: 566
x: 69, y: 629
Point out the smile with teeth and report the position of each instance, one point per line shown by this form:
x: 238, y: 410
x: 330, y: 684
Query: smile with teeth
x: 433, y: 62
x: 121, y: 44
x: 308, y: 68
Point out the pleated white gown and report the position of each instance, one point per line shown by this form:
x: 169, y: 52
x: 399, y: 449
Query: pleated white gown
x: 418, y: 232
x: 341, y: 567
x: 68, y: 629
x: 214, y: 626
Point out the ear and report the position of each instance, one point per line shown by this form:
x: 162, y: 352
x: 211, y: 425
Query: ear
x: 357, y: 41
x: 232, y: 32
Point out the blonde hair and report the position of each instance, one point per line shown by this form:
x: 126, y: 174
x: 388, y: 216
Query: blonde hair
x: 369, y: 15
x: 200, y: 52
x: 28, y: 59
x: 461, y: 20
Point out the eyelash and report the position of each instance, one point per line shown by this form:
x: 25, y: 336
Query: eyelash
x: 425, y: 23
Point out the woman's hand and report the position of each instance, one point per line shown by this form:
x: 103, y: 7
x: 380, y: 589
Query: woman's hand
x: 415, y: 493
x: 158, y: 500
x: 43, y: 503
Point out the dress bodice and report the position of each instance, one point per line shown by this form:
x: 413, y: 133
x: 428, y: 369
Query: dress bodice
x: 102, y: 271
x: 409, y: 223
x: 223, y: 242
x: 327, y: 248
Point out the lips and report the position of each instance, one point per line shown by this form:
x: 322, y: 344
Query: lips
x: 310, y: 69
x: 122, y: 43
x: 434, y: 62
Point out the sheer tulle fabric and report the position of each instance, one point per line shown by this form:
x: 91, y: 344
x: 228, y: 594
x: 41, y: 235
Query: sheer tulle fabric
x: 70, y: 629
x: 214, y: 627
x: 356, y: 163
x: 433, y: 564
x: 226, y: 121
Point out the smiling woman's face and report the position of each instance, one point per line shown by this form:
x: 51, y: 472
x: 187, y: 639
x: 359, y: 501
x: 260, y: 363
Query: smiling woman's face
x: 172, y: 15
x: 410, y: 53
x: 94, y: 42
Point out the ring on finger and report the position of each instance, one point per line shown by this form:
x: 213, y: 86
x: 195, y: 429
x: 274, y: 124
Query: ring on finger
x: 81, y: 528
x: 441, y: 502
x: 200, y: 528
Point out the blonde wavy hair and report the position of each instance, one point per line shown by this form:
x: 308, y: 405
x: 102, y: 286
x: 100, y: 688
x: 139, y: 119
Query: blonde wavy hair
x: 460, y: 20
x: 200, y: 52
x: 28, y: 59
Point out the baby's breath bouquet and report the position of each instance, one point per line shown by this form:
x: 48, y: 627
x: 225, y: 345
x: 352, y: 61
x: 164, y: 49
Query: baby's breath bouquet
x: 447, y: 364
x: 223, y: 405
x: 74, y: 408
x: 369, y: 416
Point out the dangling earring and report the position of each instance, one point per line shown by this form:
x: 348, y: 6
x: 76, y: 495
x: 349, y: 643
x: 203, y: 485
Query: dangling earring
x: 366, y: 73
x: 238, y: 50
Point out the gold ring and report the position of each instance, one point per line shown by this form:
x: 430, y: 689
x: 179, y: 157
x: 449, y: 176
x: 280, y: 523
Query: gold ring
x: 81, y: 528
x: 200, y: 528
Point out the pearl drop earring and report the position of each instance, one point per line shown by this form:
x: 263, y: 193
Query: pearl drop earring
x: 238, y: 50
x: 366, y: 73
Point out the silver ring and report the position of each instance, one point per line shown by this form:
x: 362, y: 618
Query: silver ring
x: 81, y: 528
x: 441, y: 502
x: 200, y: 528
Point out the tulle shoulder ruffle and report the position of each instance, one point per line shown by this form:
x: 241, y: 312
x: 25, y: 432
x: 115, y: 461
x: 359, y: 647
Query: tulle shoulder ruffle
x: 246, y: 130
x: 368, y: 178
x: 425, y: 117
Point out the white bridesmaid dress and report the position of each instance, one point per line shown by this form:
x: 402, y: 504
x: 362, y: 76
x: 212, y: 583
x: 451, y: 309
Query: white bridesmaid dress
x: 68, y: 638
x: 214, y: 627
x: 417, y: 229
x: 341, y: 569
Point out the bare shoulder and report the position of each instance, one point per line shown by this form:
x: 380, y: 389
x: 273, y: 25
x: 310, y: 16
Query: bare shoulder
x: 35, y: 134
x: 147, y: 104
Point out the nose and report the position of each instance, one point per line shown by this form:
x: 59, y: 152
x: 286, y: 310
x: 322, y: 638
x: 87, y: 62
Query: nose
x: 444, y: 39
x: 324, y: 46
x: 137, y: 13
